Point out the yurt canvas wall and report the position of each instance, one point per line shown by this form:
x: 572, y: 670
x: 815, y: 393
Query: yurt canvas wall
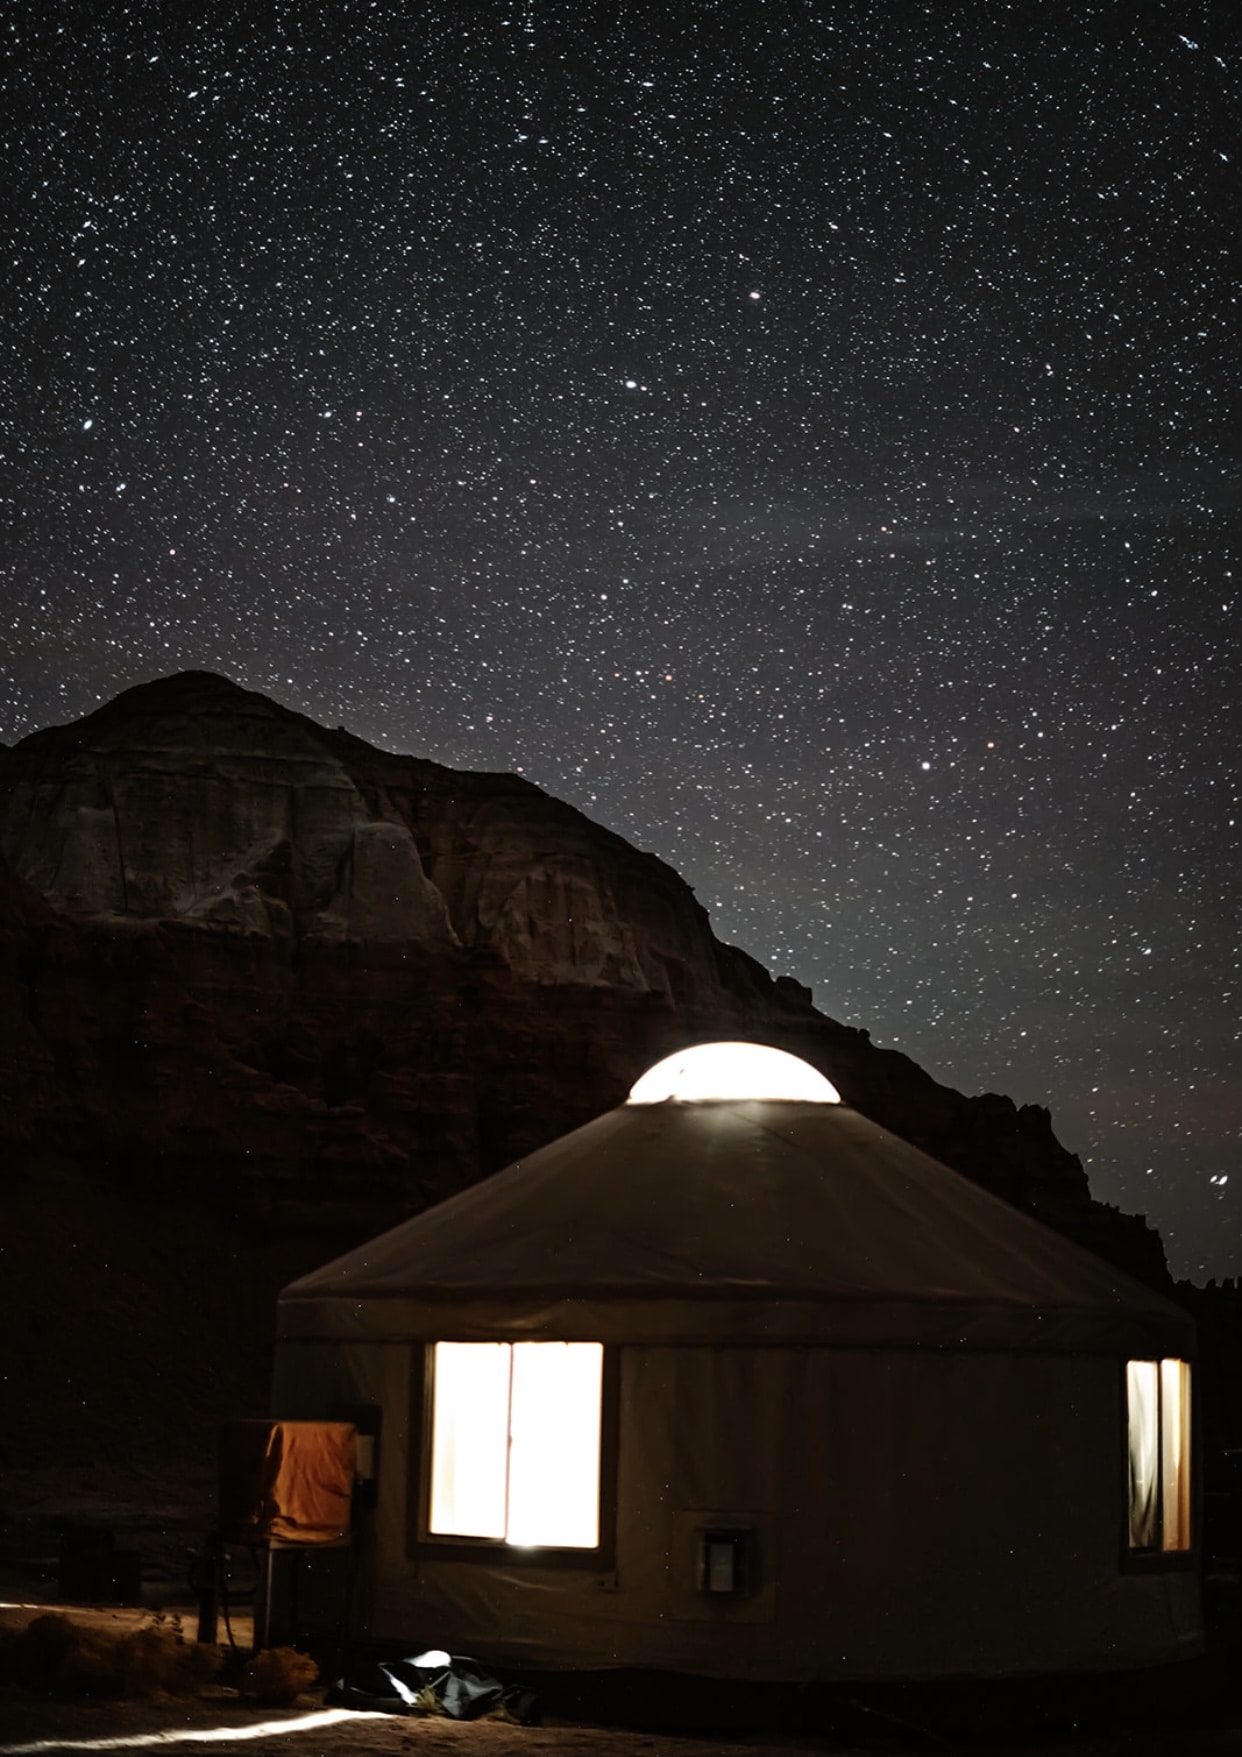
x: 904, y: 1406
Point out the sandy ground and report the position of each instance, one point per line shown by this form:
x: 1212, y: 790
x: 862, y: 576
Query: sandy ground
x: 221, y: 1726
x: 217, y: 1721
x: 165, y: 1526
x: 309, y: 1729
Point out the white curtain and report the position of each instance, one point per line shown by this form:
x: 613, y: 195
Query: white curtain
x: 1143, y: 1407
x: 470, y: 1439
x: 515, y: 1442
x: 554, y: 1444
x: 1175, y: 1454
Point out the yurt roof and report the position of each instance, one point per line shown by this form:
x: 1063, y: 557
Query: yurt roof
x: 748, y: 1220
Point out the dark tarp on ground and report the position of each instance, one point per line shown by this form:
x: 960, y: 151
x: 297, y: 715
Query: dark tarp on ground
x: 431, y: 1683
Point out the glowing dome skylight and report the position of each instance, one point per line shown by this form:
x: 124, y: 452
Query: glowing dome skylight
x: 732, y: 1070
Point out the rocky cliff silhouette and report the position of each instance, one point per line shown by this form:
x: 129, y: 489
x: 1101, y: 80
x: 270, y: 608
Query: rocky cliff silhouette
x: 265, y: 989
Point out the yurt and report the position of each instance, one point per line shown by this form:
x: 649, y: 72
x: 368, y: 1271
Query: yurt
x: 732, y: 1381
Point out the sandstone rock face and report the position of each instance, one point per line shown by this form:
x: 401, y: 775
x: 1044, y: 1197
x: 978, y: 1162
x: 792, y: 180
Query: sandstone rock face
x: 216, y: 807
x: 371, y: 961
x: 247, y: 962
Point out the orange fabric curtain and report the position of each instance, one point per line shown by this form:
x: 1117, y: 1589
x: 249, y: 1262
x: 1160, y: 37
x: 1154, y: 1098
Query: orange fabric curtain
x: 289, y: 1480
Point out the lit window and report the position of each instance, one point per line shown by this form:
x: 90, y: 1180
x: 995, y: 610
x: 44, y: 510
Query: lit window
x: 515, y: 1442
x: 1158, y: 1412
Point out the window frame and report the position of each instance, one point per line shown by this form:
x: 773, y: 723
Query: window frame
x: 1158, y: 1561
x: 422, y: 1544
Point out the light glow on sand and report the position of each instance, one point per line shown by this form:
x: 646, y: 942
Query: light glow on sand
x: 216, y: 1735
x: 715, y: 1071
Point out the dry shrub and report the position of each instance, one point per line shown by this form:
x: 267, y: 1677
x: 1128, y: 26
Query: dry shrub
x: 34, y: 1657
x: 274, y: 1677
x: 90, y: 1664
x: 59, y: 1657
x: 156, y: 1661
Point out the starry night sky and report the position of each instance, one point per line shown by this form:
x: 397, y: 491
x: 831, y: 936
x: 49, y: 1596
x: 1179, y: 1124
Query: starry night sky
x: 803, y: 436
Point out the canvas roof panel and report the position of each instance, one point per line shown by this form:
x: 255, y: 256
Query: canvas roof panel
x: 725, y: 1205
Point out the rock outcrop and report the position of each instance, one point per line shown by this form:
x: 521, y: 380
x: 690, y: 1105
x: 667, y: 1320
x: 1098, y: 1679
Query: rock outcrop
x: 259, y: 967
